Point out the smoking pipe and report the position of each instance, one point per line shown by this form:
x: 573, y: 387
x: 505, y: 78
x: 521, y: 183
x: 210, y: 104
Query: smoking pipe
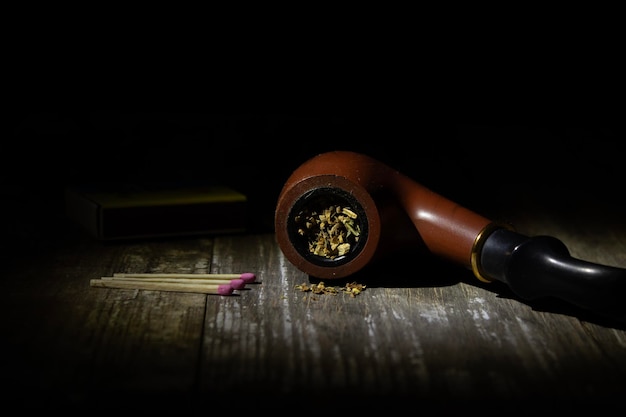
x: 335, y: 214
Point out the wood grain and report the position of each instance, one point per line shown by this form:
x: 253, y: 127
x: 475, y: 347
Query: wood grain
x: 423, y: 333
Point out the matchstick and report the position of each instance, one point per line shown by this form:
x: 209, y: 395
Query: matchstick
x: 236, y: 283
x: 246, y: 276
x: 221, y: 289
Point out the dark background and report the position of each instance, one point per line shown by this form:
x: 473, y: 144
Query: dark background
x: 482, y: 165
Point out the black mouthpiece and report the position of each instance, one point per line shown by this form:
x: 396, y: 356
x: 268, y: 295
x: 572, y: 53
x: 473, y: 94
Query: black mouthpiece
x: 535, y: 267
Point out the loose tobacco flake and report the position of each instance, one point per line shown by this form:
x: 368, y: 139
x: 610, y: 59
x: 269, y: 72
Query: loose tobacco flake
x: 353, y: 289
x: 330, y: 231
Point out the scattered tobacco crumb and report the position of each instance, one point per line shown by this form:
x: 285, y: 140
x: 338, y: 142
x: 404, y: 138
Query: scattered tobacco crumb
x: 353, y: 289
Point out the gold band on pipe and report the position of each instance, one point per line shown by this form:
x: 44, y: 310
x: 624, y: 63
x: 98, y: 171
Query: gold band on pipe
x: 477, y: 248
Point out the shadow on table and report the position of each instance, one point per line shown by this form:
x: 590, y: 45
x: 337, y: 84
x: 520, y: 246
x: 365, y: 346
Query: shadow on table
x: 416, y: 269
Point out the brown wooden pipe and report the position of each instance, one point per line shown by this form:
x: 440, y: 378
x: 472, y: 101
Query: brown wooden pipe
x: 370, y: 187
x: 386, y: 209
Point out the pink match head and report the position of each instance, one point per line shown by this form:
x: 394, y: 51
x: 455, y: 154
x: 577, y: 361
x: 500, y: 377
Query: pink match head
x: 237, y: 284
x: 225, y: 289
x: 248, y: 277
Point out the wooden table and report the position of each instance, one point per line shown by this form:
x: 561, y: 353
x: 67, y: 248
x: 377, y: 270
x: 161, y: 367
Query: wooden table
x: 424, y: 334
